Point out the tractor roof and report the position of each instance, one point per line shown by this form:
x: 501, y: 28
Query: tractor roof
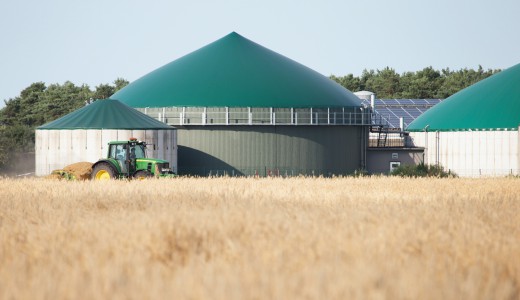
x: 125, y: 142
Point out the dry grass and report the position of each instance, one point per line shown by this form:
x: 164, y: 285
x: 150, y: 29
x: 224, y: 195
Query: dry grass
x: 260, y: 239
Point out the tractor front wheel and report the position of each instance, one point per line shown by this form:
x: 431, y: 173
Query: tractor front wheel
x: 103, y: 171
x: 142, y: 174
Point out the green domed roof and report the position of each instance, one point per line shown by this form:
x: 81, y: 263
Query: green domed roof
x: 235, y: 72
x: 105, y: 114
x: 493, y: 103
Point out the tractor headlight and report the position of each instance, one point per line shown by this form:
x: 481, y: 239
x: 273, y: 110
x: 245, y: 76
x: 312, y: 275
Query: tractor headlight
x: 165, y: 170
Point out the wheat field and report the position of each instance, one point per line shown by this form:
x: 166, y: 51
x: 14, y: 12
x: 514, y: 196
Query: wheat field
x: 268, y: 238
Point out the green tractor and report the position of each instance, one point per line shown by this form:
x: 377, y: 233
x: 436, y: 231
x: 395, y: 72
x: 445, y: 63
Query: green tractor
x: 127, y: 159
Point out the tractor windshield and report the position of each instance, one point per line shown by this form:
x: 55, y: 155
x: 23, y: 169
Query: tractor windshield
x: 137, y: 151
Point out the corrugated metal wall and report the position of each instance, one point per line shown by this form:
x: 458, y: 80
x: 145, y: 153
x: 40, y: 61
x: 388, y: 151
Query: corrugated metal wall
x: 265, y: 150
x: 56, y: 149
x: 472, y: 153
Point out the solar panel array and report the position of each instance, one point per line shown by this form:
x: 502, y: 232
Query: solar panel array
x: 391, y: 110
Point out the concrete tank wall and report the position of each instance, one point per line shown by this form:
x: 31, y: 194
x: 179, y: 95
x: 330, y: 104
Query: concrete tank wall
x: 270, y: 150
x: 379, y: 159
x: 471, y: 153
x: 56, y: 149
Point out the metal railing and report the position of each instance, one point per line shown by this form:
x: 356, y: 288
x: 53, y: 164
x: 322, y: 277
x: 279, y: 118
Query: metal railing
x: 384, y: 119
x: 389, y: 140
x: 185, y: 116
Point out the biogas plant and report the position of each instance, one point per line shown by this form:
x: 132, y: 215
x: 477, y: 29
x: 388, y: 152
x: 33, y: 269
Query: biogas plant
x: 237, y: 108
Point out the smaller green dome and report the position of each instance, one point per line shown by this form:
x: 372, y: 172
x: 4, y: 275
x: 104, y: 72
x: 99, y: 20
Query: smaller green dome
x: 490, y: 104
x: 235, y: 72
x: 105, y: 114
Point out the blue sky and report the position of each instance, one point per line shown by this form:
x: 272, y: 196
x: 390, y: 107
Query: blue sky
x: 96, y: 41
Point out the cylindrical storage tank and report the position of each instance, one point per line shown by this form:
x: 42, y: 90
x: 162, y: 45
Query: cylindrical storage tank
x: 84, y: 135
x: 282, y: 150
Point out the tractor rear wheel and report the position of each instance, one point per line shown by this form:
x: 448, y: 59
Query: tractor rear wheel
x: 142, y: 174
x: 103, y: 171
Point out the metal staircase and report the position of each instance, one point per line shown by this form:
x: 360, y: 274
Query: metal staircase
x: 382, y: 135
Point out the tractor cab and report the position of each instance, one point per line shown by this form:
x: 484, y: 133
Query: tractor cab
x: 126, y: 154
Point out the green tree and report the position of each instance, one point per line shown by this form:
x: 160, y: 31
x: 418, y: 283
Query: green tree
x: 366, y: 76
x: 350, y: 82
x: 27, y: 105
x: 385, y: 83
x: 104, y: 91
x: 120, y: 83
x: 9, y: 114
x: 4, y: 158
x: 423, y: 84
x: 60, y: 100
x: 454, y: 81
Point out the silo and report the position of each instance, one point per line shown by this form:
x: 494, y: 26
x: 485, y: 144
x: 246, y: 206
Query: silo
x: 243, y: 109
x: 475, y: 131
x: 365, y: 95
x: 83, y: 135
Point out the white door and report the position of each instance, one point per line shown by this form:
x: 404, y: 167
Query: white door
x: 394, y: 165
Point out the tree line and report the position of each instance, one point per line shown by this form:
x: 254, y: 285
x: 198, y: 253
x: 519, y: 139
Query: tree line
x: 427, y: 83
x: 39, y: 104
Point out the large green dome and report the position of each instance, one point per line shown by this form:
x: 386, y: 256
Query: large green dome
x: 235, y: 72
x: 491, y: 104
